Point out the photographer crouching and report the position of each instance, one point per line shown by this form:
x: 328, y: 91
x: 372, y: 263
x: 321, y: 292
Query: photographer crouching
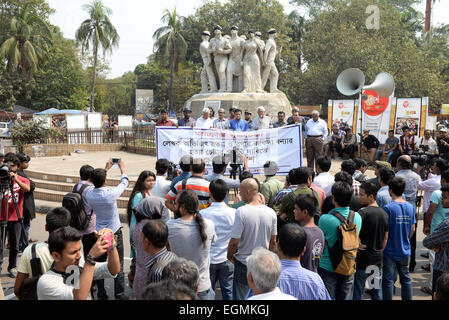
x: 12, y: 220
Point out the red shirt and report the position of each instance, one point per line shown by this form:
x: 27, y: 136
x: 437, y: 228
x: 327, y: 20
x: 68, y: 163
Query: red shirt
x: 167, y: 123
x: 18, y: 193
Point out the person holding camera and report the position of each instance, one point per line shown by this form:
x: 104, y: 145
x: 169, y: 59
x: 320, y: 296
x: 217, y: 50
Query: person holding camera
x: 443, y: 144
x: 103, y: 201
x: 11, y: 219
x: 29, y: 209
x: 65, y: 248
x: 427, y: 144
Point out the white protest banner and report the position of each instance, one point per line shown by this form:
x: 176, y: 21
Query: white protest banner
x: 376, y: 112
x: 283, y: 145
x: 408, y: 113
x: 343, y: 112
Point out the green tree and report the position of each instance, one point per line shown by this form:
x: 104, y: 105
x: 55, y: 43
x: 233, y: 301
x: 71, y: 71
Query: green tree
x: 96, y: 32
x: 27, y: 42
x: 170, y: 43
x: 338, y: 39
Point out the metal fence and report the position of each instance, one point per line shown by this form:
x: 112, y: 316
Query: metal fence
x: 90, y: 136
x: 141, y: 140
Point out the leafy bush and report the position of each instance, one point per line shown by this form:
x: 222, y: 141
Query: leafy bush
x: 33, y: 132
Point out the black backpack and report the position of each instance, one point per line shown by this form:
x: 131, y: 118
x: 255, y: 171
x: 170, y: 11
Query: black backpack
x: 28, y: 288
x: 73, y: 202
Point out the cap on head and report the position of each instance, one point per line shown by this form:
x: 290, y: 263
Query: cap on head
x: 258, y: 34
x: 247, y: 112
x: 251, y: 31
x: 218, y: 27
x: 443, y: 129
x: 187, y: 109
x: 234, y: 28
x: 205, y: 33
x: 271, y: 31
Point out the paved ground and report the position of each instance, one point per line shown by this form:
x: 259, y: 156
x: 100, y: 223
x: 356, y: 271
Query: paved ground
x: 134, y: 165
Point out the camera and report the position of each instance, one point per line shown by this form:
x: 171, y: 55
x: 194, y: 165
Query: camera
x: 5, y: 170
x: 424, y: 148
x: 172, y: 171
x: 235, y: 162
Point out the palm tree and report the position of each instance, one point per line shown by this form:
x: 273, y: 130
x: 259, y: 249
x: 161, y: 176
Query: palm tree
x: 27, y: 41
x: 170, y: 42
x: 97, y: 31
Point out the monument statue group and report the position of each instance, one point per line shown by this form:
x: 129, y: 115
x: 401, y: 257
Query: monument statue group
x: 248, y: 60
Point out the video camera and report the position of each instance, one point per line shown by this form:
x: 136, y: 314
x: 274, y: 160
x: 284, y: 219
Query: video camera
x: 236, y: 162
x: 5, y: 170
x: 172, y: 171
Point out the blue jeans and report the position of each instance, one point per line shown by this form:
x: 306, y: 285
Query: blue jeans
x: 240, y: 285
x: 339, y: 286
x: 389, y: 155
x: 224, y: 272
x: 359, y: 285
x: 389, y: 270
x: 208, y: 294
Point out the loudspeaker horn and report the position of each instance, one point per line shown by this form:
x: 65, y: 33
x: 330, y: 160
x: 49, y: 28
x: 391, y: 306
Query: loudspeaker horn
x: 383, y: 85
x: 350, y: 81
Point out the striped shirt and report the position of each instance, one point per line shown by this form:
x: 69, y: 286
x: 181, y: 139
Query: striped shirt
x: 199, y: 185
x: 301, y: 283
x: 165, y: 255
x: 439, y: 236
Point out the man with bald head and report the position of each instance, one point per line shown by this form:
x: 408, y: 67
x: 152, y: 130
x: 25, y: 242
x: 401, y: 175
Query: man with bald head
x: 255, y: 226
x: 404, y: 166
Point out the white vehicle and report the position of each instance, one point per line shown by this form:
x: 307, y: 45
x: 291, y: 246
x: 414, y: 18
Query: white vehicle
x: 4, y: 130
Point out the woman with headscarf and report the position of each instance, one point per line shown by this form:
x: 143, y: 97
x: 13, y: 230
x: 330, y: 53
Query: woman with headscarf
x: 150, y: 208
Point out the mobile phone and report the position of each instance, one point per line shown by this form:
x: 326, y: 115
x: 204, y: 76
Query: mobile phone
x: 108, y: 237
x: 115, y: 160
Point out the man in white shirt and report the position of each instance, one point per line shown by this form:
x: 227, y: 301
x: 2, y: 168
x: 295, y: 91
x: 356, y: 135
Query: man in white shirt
x: 221, y: 123
x: 315, y: 133
x: 223, y: 218
x: 433, y: 183
x: 324, y: 179
x: 162, y: 185
x: 65, y: 280
x: 428, y: 141
x: 205, y: 122
x: 57, y: 218
x: 262, y: 122
x: 264, y: 272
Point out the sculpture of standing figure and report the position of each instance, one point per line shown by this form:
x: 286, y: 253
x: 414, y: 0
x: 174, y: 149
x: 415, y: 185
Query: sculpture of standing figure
x: 220, y: 47
x: 262, y: 48
x: 270, y: 71
x: 251, y: 63
x: 234, y: 66
x: 207, y: 74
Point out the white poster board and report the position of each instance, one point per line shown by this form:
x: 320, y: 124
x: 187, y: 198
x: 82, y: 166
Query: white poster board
x: 94, y: 120
x: 343, y: 112
x: 283, y: 145
x: 77, y: 123
x: 125, y: 122
x: 408, y: 113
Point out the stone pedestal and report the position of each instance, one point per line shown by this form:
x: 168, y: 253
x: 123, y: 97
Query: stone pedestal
x: 272, y: 102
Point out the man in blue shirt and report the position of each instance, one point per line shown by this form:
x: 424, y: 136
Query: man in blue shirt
x: 339, y: 286
x: 383, y: 195
x: 186, y: 166
x: 238, y: 124
x: 401, y: 223
x: 103, y: 201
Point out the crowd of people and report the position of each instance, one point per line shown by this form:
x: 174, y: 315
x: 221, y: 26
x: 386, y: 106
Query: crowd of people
x: 237, y: 120
x: 317, y: 237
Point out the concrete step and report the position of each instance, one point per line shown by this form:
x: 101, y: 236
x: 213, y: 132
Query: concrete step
x: 56, y: 196
x: 66, y: 187
x: 43, y: 207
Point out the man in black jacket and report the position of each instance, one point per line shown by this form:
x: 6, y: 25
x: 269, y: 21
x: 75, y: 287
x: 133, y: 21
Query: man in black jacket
x: 369, y: 147
x: 29, y: 209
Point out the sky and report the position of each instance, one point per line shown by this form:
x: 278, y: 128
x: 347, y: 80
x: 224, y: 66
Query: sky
x: 136, y: 21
